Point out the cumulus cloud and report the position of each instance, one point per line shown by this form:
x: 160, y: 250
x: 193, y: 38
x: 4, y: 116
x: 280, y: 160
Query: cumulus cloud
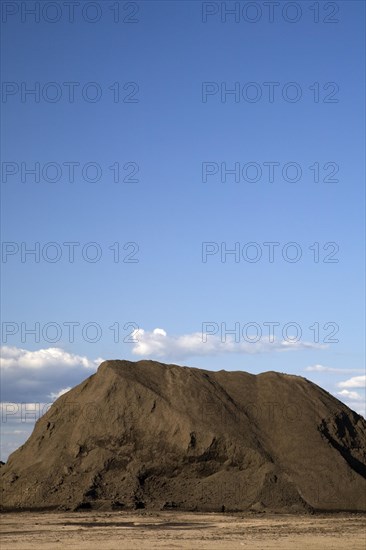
x: 41, y: 375
x: 354, y: 399
x: 353, y: 395
x: 159, y: 344
x: 322, y: 368
x: 56, y: 395
x: 160, y: 331
x: 354, y: 382
x: 12, y: 357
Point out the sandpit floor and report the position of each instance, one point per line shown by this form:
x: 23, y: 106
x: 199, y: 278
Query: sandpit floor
x: 135, y: 531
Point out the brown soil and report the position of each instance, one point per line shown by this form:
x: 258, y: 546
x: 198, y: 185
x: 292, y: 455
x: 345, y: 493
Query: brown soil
x: 189, y: 531
x: 164, y: 437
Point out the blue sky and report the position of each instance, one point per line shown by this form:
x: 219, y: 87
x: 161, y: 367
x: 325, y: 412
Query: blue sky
x: 161, y: 133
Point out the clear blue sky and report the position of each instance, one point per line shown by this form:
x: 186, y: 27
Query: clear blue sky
x: 169, y: 132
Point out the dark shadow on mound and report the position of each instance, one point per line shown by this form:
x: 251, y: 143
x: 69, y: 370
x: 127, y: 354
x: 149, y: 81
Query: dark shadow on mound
x: 343, y: 427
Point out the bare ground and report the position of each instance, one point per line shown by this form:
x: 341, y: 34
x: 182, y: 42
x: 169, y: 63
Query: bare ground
x: 191, y: 531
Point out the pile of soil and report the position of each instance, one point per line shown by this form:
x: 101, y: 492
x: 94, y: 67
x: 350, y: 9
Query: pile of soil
x: 151, y: 435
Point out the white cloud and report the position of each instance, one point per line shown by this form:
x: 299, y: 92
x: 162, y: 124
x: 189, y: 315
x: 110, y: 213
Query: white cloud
x: 350, y: 395
x: 40, y: 375
x: 353, y: 399
x: 12, y: 357
x: 56, y: 395
x: 322, y: 368
x: 160, y: 331
x: 354, y: 382
x: 160, y: 345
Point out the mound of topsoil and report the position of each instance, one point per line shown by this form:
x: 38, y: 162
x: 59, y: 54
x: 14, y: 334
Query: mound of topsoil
x: 146, y: 434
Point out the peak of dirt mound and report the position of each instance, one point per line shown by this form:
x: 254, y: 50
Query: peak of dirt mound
x: 147, y: 434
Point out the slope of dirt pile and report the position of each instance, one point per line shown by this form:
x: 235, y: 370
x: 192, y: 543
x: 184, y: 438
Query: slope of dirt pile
x: 151, y: 435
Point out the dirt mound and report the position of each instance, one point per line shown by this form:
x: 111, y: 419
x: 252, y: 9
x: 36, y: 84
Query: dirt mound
x: 147, y: 434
